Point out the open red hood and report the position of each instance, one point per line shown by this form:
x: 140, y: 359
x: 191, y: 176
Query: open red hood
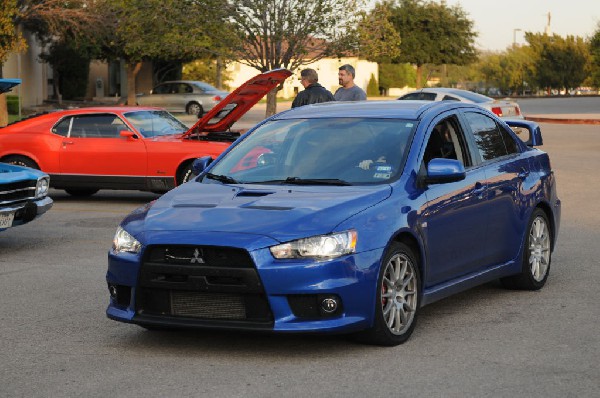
x: 240, y: 101
x: 7, y: 84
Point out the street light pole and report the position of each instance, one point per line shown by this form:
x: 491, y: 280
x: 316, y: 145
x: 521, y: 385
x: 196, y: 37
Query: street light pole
x: 515, y: 36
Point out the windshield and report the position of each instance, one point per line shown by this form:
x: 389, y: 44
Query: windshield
x: 155, y: 123
x: 331, y: 151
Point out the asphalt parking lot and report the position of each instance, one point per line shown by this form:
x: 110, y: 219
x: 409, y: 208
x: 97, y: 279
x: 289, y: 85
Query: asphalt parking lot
x: 56, y: 340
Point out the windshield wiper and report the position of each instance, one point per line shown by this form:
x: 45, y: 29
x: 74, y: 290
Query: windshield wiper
x: 221, y: 178
x: 315, y: 181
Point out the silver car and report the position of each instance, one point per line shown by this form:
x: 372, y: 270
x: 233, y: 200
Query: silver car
x: 189, y: 96
x: 501, y: 108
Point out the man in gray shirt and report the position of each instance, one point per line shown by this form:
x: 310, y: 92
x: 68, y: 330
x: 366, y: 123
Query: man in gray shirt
x: 349, y: 91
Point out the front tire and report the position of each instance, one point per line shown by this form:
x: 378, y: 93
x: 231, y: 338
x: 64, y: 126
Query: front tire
x: 194, y: 108
x: 398, y: 298
x: 536, y: 255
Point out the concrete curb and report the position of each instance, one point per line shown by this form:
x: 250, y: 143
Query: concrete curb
x: 562, y: 120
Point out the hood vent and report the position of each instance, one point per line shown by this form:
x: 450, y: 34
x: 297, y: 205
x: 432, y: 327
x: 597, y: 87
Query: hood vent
x: 254, y: 194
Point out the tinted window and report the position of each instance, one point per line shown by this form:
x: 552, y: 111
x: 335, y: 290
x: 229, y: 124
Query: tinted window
x: 449, y: 98
x: 421, y: 96
x: 487, y: 136
x: 509, y: 142
x: 471, y: 96
x: 162, y: 89
x: 62, y: 128
x: 97, y: 126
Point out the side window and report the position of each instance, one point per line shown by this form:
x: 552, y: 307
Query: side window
x: 161, y: 89
x: 447, y: 141
x: 97, y: 126
x: 487, y: 136
x: 428, y: 96
x: 509, y: 142
x: 411, y: 96
x: 62, y: 128
x: 449, y: 98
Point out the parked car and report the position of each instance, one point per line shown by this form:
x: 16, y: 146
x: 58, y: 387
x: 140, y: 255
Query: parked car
x: 191, y: 97
x: 23, y: 191
x: 139, y: 148
x: 501, y: 108
x: 341, y: 217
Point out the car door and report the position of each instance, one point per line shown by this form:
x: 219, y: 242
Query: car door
x: 159, y: 97
x: 453, y: 221
x: 95, y: 147
x: 506, y: 170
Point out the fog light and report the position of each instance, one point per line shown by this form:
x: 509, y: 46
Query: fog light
x: 329, y: 305
x: 112, y: 290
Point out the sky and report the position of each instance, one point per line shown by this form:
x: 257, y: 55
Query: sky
x: 496, y: 20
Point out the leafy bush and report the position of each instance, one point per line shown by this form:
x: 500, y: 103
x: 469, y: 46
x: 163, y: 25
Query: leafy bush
x: 12, y: 104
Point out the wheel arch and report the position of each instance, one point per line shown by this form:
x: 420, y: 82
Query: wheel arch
x: 413, y: 243
x: 545, y: 207
x: 182, y: 166
x: 28, y: 156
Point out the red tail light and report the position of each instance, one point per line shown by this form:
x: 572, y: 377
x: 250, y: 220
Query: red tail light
x: 217, y: 98
x: 496, y: 110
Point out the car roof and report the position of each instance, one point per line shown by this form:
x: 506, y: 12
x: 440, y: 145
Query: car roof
x: 470, y: 95
x: 410, y: 110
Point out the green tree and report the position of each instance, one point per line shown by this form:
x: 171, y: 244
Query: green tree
x: 378, y: 40
x: 204, y: 70
x: 560, y: 63
x: 164, y: 30
x: 290, y: 33
x: 396, y: 75
x: 433, y: 33
x: 595, y: 58
x: 372, y: 87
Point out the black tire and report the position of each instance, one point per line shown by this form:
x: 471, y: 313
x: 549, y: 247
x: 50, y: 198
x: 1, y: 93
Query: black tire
x: 398, y: 301
x: 537, y: 255
x: 81, y: 192
x: 194, y: 108
x: 185, y: 174
x: 21, y: 161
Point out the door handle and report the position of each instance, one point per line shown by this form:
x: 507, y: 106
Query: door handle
x: 65, y: 143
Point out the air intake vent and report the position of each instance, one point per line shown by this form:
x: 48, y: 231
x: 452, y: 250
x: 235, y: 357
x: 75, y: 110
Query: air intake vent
x: 254, y: 193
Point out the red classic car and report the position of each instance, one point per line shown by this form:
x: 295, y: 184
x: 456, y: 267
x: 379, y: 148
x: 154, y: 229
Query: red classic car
x: 141, y: 148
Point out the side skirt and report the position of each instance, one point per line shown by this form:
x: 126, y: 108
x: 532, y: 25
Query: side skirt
x: 62, y: 181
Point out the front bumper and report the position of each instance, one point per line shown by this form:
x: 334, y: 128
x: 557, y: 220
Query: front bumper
x: 351, y: 279
x: 25, y: 212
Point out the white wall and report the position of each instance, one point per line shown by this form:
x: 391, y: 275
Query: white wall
x: 34, y: 74
x: 327, y: 70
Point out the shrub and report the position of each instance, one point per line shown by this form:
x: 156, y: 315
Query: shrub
x: 12, y: 104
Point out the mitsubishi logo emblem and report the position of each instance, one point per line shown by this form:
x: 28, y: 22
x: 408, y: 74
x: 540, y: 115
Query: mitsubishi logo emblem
x: 197, y: 257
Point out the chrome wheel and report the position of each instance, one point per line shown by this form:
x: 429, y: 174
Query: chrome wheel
x: 399, y: 294
x: 539, y: 249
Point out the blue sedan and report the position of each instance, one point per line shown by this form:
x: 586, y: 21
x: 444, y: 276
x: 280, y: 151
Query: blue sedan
x: 342, y: 217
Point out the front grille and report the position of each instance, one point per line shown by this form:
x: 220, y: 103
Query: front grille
x: 17, y: 191
x: 208, y: 305
x: 202, y: 283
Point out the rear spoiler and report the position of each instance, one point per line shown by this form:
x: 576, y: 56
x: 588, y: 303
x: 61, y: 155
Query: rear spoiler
x: 529, y: 132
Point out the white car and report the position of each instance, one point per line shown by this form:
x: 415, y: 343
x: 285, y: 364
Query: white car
x: 501, y: 108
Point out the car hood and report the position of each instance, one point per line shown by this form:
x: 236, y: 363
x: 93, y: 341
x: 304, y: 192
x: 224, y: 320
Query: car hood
x: 239, y: 102
x: 12, y: 173
x: 282, y: 213
x: 7, y: 84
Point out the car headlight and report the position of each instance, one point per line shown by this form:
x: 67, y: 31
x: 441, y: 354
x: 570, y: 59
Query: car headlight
x: 41, y: 189
x: 320, y: 247
x: 124, y: 242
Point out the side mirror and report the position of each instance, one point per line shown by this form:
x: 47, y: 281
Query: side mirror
x: 201, y: 164
x: 128, y: 134
x: 529, y: 132
x: 441, y: 171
